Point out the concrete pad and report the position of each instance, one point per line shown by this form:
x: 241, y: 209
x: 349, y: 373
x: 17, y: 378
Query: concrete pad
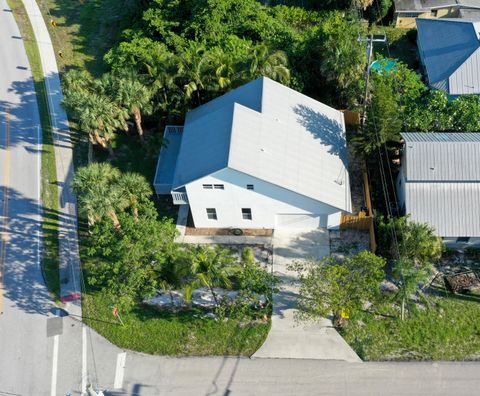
x: 289, y: 338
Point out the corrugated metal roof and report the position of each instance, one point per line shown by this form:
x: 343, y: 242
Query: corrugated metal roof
x: 453, y: 209
x: 441, y: 136
x: 448, y: 49
x: 466, y: 79
x: 292, y: 141
x: 442, y: 157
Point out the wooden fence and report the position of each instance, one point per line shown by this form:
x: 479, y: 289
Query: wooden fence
x: 351, y: 117
x: 362, y: 221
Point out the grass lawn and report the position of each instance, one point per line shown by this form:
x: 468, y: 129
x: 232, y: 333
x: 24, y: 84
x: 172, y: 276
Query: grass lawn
x: 449, y: 330
x: 84, y: 30
x: 180, y: 334
x: 49, y: 190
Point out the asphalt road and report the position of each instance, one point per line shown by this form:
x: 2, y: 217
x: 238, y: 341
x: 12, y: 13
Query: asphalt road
x: 24, y: 298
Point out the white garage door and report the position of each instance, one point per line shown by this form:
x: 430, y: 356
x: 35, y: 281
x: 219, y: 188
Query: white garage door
x: 301, y: 221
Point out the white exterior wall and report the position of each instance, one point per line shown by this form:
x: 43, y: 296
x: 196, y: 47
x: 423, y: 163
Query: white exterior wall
x: 266, y: 202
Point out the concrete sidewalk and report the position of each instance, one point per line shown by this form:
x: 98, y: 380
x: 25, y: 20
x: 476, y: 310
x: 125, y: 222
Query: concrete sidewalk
x: 70, y: 282
x: 288, y: 338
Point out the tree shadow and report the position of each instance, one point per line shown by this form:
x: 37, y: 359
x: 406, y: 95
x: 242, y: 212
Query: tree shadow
x: 328, y: 131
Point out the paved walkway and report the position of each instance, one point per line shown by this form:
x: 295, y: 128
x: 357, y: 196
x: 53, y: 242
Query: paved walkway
x: 67, y: 215
x: 288, y: 338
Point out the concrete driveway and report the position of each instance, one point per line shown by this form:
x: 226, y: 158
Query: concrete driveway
x: 287, y: 337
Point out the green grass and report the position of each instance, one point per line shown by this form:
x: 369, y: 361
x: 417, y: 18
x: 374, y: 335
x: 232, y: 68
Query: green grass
x: 449, y: 330
x: 180, y: 334
x: 49, y: 190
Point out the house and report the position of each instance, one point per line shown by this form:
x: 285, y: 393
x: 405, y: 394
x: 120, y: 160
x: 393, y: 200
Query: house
x: 260, y: 156
x: 406, y: 11
x: 439, y: 184
x: 449, y: 51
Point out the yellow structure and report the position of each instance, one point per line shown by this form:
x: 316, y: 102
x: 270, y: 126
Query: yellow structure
x: 407, y: 11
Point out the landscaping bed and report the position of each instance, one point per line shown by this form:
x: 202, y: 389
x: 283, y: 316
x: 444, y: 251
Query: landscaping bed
x: 183, y: 333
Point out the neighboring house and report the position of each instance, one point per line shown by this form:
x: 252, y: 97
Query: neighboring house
x: 449, y: 51
x: 406, y: 11
x: 439, y: 184
x: 260, y: 156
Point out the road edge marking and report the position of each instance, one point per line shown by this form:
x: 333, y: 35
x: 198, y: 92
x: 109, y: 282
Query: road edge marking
x: 53, y: 386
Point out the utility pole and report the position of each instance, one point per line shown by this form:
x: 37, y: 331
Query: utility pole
x: 370, y: 39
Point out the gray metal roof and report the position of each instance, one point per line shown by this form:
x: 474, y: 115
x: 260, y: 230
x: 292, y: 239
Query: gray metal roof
x: 442, y: 157
x: 441, y: 136
x: 449, y: 51
x: 271, y: 132
x: 442, y: 181
x: 426, y: 5
x: 453, y: 209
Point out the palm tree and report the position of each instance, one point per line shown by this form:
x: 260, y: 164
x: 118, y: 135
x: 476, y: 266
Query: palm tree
x: 76, y: 80
x: 100, y: 117
x: 135, y: 188
x: 101, y: 202
x: 409, y: 276
x: 213, y: 267
x: 193, y: 66
x: 162, y: 75
x: 96, y: 174
x: 135, y: 97
x: 270, y: 64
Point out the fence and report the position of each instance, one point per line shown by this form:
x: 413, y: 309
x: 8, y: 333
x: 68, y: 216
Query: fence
x: 351, y: 117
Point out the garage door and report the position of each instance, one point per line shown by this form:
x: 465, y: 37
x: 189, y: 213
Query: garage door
x: 301, y: 221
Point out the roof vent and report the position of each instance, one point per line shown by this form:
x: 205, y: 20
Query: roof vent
x: 432, y: 168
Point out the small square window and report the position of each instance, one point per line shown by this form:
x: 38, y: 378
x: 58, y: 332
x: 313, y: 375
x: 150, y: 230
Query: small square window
x: 212, y: 213
x: 219, y: 187
x: 463, y: 239
x: 247, y: 214
x: 249, y: 186
x: 207, y: 186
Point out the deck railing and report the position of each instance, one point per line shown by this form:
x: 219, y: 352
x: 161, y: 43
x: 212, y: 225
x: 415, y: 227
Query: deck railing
x: 173, y: 129
x: 179, y: 198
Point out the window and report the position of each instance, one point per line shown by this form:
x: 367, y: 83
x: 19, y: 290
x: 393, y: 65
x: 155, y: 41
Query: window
x: 219, y: 187
x: 212, y: 213
x: 249, y: 186
x: 207, y: 186
x: 463, y: 239
x: 247, y: 214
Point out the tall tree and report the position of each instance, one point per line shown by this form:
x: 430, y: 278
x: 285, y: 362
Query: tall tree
x: 136, y: 190
x: 272, y: 64
x: 135, y: 97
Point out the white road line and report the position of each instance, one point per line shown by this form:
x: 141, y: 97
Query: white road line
x: 84, y: 359
x: 120, y: 370
x: 53, y: 390
x: 39, y: 206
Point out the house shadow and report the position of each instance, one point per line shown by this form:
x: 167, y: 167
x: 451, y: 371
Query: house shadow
x: 327, y: 131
